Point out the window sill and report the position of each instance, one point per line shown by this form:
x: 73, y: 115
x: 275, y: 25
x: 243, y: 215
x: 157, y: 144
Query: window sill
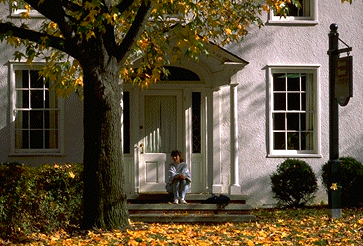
x: 23, y: 153
x: 284, y: 22
x: 294, y: 156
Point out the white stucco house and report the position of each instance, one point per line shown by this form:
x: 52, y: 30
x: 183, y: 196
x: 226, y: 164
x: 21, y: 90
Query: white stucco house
x: 235, y: 114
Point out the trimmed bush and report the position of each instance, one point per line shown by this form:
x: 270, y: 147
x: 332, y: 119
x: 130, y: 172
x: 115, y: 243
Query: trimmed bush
x: 351, y: 181
x: 39, y: 199
x: 294, y: 183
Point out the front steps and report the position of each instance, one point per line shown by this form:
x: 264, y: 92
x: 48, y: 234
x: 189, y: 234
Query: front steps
x: 158, y: 208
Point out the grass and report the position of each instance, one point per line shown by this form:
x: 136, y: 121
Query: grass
x: 303, y: 226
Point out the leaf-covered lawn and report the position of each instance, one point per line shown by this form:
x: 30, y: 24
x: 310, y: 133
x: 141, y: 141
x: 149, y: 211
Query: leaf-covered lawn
x: 309, y: 226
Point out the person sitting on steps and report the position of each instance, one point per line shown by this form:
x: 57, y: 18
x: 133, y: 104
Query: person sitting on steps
x: 179, y: 178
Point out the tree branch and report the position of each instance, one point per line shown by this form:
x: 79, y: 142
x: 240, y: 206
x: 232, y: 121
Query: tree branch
x: 123, y: 50
x: 53, y: 10
x: 124, y: 5
x: 55, y: 42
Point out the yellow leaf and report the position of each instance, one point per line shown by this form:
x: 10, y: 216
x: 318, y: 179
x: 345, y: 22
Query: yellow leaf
x: 334, y: 186
x: 250, y: 243
x: 228, y: 31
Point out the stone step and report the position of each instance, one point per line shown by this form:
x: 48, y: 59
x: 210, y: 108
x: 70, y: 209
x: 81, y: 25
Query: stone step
x: 189, y: 208
x: 191, y: 218
x: 158, y: 208
x: 161, y: 197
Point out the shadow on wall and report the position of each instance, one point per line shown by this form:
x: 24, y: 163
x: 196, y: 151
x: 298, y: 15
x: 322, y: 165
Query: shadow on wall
x: 4, y: 143
x: 259, y: 192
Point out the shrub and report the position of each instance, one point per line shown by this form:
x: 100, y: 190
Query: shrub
x: 351, y: 181
x: 39, y: 199
x: 294, y: 183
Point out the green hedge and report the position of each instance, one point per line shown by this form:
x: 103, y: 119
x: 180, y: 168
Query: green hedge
x: 39, y: 199
x: 351, y: 181
x: 294, y: 183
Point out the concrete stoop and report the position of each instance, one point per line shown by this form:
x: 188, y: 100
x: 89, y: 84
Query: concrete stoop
x: 157, y: 208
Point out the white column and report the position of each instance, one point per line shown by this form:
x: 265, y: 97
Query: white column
x: 135, y: 132
x: 214, y: 142
x: 235, y: 188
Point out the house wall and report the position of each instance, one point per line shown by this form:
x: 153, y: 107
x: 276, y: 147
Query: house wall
x: 292, y: 44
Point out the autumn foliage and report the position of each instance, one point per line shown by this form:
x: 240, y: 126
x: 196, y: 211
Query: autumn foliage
x: 309, y: 226
x: 39, y: 199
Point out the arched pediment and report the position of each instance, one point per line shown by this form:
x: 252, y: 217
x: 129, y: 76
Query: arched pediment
x: 179, y: 74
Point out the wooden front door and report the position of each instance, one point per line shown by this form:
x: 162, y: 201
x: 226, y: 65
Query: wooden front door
x: 161, y: 131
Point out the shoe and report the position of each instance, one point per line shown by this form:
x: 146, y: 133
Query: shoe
x: 176, y: 201
x: 182, y: 201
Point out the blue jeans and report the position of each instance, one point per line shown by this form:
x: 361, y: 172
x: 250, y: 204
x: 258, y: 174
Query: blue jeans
x: 179, y: 188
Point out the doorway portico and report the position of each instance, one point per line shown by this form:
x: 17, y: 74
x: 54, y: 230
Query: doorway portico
x: 183, y: 112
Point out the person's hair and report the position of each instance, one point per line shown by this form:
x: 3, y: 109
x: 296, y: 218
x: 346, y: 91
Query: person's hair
x: 177, y: 153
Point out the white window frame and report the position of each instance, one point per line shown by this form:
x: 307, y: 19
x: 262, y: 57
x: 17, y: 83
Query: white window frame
x: 13, y: 67
x: 311, y: 19
x: 311, y: 69
x: 17, y: 12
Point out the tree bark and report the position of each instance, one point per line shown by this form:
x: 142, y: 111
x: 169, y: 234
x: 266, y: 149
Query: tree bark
x: 104, y: 198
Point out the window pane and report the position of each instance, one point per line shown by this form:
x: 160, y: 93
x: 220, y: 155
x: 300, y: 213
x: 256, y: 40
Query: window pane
x: 293, y: 11
x: 51, y: 119
x: 293, y: 121
x: 36, y: 119
x: 19, y: 79
x: 35, y: 80
x: 25, y: 78
x: 303, y: 122
x: 51, y: 139
x: 293, y: 101
x: 21, y: 139
x: 303, y: 82
x: 279, y: 82
x: 307, y: 141
x: 293, y: 82
x: 279, y: 140
x: 196, y: 122
x: 51, y: 99
x: 36, y: 139
x: 22, y: 120
x: 309, y: 121
x: 46, y: 83
x: 303, y: 101
x: 279, y: 121
x: 279, y: 101
x: 36, y: 99
x: 22, y: 99
x: 293, y: 141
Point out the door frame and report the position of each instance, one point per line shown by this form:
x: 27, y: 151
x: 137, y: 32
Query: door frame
x: 200, y: 174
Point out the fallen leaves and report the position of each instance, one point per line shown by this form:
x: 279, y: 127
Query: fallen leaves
x: 273, y: 227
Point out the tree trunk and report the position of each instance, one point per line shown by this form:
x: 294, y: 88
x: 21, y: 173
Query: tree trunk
x: 104, y: 198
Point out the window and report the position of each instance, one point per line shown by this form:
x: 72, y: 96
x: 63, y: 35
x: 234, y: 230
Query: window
x: 294, y: 110
x: 307, y: 14
x: 36, y: 114
x: 196, y: 122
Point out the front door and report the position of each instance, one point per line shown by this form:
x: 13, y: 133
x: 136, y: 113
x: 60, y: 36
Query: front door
x: 160, y: 133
